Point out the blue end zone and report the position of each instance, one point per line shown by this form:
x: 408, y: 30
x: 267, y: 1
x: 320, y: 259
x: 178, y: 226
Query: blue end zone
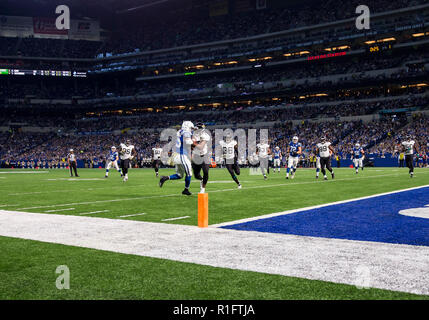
x: 375, y: 219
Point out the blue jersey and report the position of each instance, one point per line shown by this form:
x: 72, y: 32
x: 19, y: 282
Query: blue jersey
x: 181, y: 147
x: 294, y: 147
x: 113, y: 156
x: 357, y: 153
x: 277, y: 154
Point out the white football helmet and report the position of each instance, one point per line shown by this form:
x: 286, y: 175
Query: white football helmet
x: 187, y: 126
x: 228, y: 137
x: 295, y: 139
x: 277, y: 148
x: 113, y: 148
x: 357, y: 145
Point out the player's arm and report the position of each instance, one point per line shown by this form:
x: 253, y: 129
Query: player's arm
x: 332, y: 149
x: 300, y: 150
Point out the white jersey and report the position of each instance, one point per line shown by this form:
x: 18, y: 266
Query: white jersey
x: 263, y: 150
x: 199, y: 137
x: 126, y: 151
x: 156, y: 153
x: 324, y: 149
x: 228, y: 149
x: 409, y: 147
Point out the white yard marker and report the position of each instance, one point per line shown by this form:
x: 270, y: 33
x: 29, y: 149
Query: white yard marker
x: 93, y: 212
x: 8, y: 205
x: 132, y: 215
x: 178, y: 218
x: 68, y: 209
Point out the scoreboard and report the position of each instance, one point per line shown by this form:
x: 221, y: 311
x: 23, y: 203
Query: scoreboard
x: 45, y: 73
x: 374, y: 48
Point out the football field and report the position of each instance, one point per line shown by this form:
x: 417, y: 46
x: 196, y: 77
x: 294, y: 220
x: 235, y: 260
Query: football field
x: 135, y: 240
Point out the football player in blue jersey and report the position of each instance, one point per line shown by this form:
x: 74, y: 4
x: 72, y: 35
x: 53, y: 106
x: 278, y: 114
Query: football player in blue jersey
x: 277, y: 159
x: 294, y: 150
x: 182, y: 157
x: 113, y: 159
x: 357, y: 157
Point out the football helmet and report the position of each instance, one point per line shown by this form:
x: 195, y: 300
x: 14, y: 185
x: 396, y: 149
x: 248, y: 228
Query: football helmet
x: 187, y: 126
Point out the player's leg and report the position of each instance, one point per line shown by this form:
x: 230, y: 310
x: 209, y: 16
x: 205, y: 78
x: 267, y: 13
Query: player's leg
x: 361, y: 163
x: 71, y: 169
x: 295, y: 165
x: 289, y: 166
x: 115, y: 164
x: 356, y: 165
x: 263, y: 165
x: 188, y: 171
x: 108, y: 166
x: 317, y: 167
x: 410, y: 164
x: 205, y: 168
x: 196, y: 168
x: 232, y: 171
x: 329, y: 167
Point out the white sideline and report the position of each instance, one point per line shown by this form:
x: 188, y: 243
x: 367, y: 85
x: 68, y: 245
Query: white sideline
x: 271, y: 215
x: 390, y: 266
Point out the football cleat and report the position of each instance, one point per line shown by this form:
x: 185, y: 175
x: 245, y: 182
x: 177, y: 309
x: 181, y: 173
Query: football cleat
x: 186, y: 192
x: 333, y: 175
x: 162, y: 180
x: 239, y: 186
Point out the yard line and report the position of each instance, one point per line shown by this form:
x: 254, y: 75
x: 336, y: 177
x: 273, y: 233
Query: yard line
x: 132, y: 215
x: 178, y: 218
x: 56, y: 210
x: 214, y: 191
x: 9, y: 205
x: 94, y: 212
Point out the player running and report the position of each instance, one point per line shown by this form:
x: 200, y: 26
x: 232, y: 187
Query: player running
x: 181, y: 158
x: 294, y: 150
x: 156, y: 152
x: 408, y: 146
x: 324, y: 150
x: 263, y: 152
x: 127, y: 153
x: 200, y: 156
x: 113, y: 159
x: 277, y: 159
x: 357, y: 157
x: 230, y: 154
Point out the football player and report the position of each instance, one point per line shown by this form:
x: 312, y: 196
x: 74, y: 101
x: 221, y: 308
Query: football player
x: 263, y: 152
x: 277, y: 159
x: 294, y: 151
x: 357, y: 157
x: 156, y: 158
x: 200, y: 156
x: 113, y: 159
x: 127, y: 153
x: 181, y: 158
x: 408, y: 146
x: 230, y: 154
x: 325, y: 150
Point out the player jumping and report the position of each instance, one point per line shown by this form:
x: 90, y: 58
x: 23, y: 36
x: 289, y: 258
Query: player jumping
x: 181, y: 158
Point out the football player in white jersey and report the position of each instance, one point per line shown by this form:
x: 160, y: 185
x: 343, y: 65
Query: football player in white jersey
x: 182, y: 157
x: 277, y: 159
x: 408, y: 147
x: 127, y: 153
x: 325, y: 150
x: 200, y: 155
x: 156, y: 158
x: 112, y: 160
x: 263, y: 152
x: 230, y: 154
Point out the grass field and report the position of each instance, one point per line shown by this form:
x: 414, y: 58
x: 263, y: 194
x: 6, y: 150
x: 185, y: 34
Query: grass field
x: 27, y: 267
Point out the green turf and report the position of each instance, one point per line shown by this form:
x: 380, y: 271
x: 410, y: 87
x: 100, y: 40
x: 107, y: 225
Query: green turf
x: 141, y: 194
x: 27, y: 271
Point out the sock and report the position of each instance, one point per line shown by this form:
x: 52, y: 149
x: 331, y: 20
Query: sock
x: 187, y: 182
x: 175, y: 177
x: 107, y: 172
